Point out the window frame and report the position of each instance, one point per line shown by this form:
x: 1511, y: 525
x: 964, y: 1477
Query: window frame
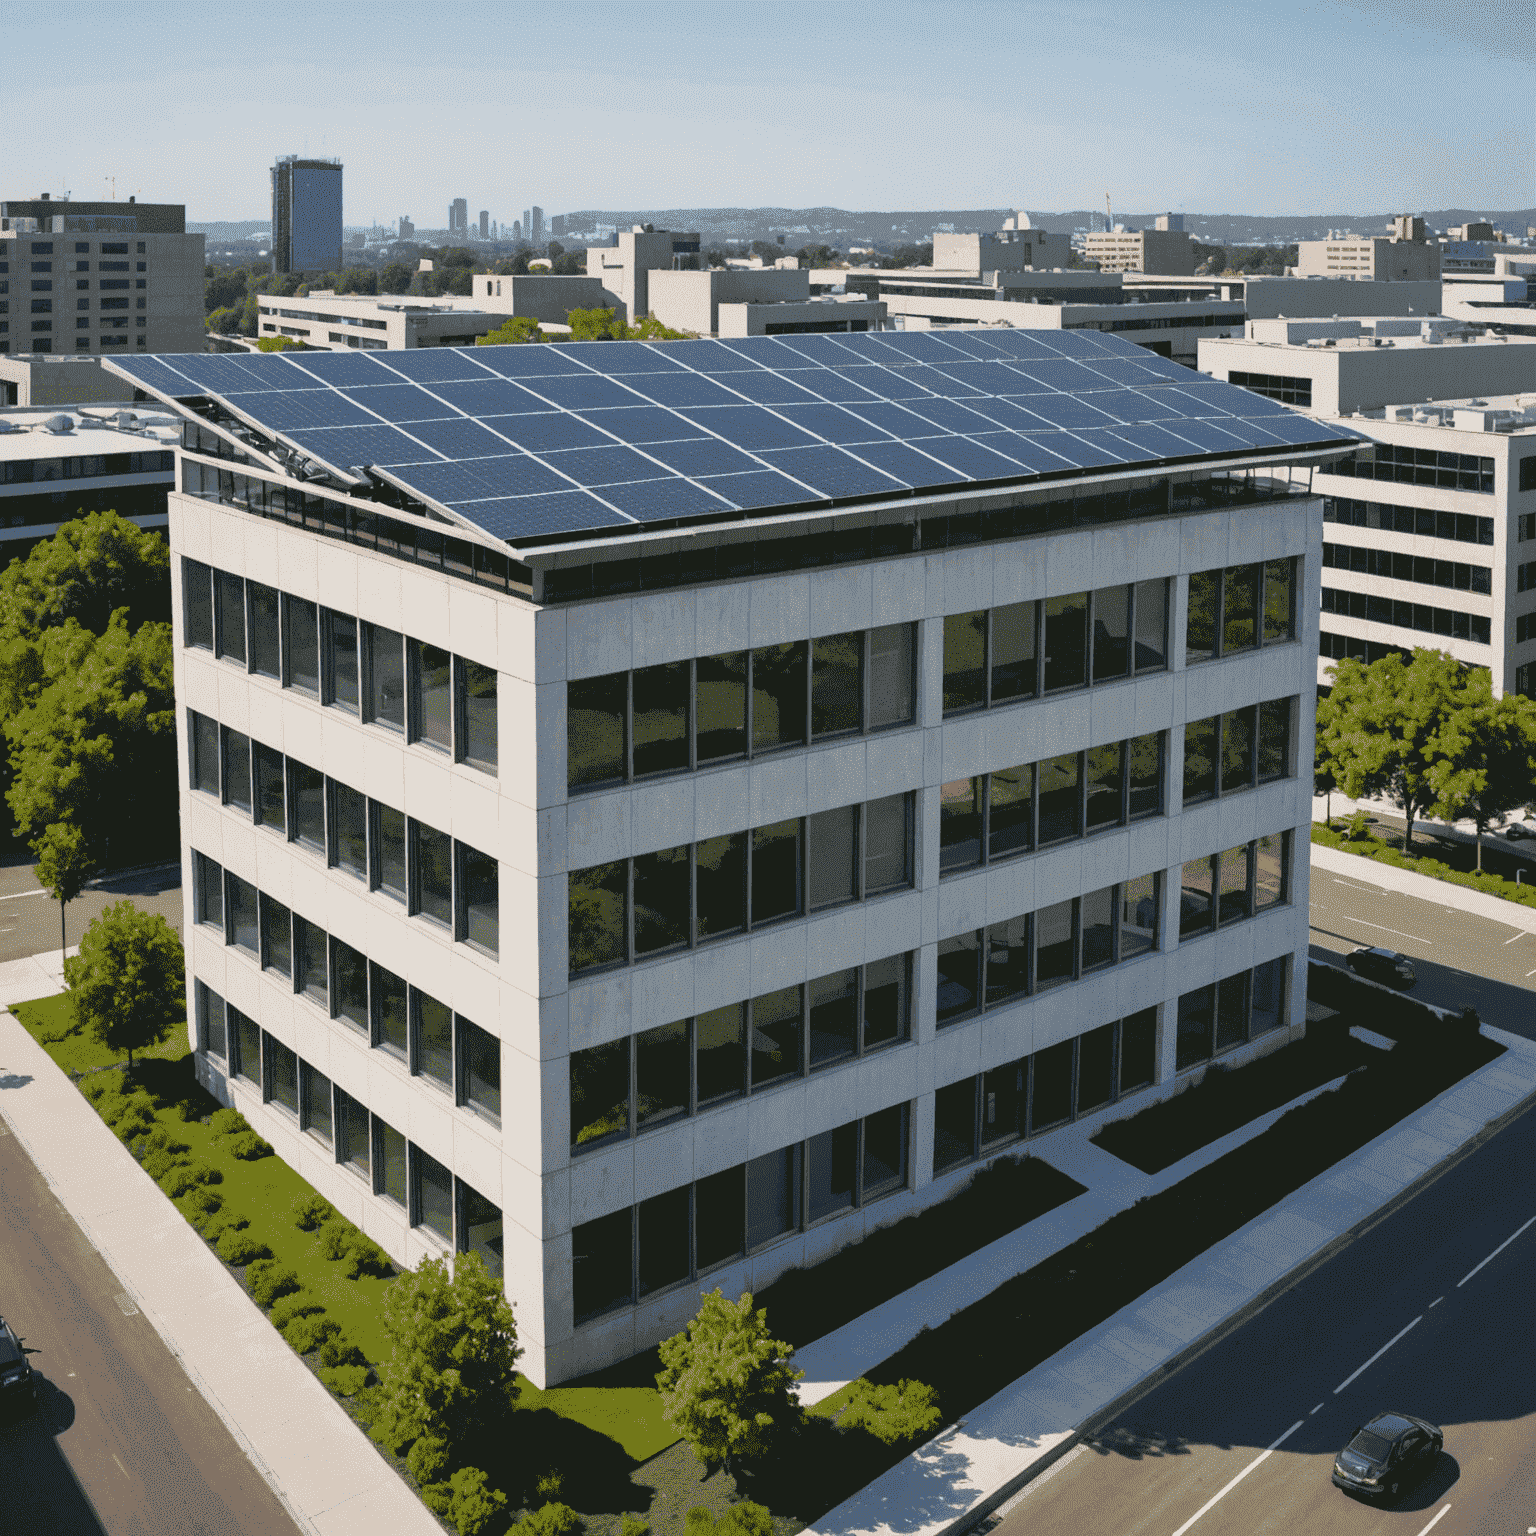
x: 1219, y: 613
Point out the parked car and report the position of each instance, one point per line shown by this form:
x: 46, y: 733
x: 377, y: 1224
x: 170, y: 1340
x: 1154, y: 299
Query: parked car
x: 1519, y: 829
x: 18, y: 1385
x: 1386, y: 1455
x: 1383, y: 965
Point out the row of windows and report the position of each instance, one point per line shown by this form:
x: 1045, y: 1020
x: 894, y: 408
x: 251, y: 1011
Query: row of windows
x: 438, y: 878
x: 996, y: 815
x: 393, y: 1168
x: 434, y: 1043
x: 1236, y: 609
x: 677, y: 1236
x: 82, y: 248
x: 1223, y: 1015
x: 405, y: 685
x: 1417, y: 466
x: 1455, y: 574
x: 1241, y: 882
x: 1342, y: 647
x: 1426, y: 522
x: 660, y: 1075
x: 978, y: 1115
x: 1023, y: 956
x: 1525, y: 524
x: 679, y: 897
x: 1237, y: 750
x: 1284, y: 387
x: 691, y: 714
x: 1022, y: 650
x: 85, y: 467
x: 1419, y: 616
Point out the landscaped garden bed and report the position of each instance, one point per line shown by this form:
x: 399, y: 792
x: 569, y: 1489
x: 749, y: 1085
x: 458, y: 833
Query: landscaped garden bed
x: 1454, y: 866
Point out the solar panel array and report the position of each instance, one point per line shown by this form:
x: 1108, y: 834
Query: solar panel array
x: 533, y: 441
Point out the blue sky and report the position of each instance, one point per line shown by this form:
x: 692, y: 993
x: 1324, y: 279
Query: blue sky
x: 1291, y: 106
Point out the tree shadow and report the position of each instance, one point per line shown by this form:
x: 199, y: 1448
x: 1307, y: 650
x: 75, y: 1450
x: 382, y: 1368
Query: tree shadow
x: 41, y: 1490
x: 1136, y: 1444
x: 173, y: 1084
x: 597, y: 1469
x: 15, y: 1079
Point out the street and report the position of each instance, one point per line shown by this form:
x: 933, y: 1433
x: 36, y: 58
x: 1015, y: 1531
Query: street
x: 1427, y: 1313
x: 29, y: 916
x: 123, y: 1444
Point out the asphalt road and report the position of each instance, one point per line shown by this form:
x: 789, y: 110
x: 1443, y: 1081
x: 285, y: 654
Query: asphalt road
x: 1297, y: 1379
x: 123, y: 1444
x: 1460, y: 958
x: 29, y: 916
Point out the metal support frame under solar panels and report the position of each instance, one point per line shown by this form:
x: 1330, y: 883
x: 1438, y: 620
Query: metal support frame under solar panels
x: 538, y: 443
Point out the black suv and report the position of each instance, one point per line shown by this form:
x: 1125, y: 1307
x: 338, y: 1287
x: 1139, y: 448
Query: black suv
x: 18, y: 1386
x: 1383, y: 965
x: 1384, y: 1456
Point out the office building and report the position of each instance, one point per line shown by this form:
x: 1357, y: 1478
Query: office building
x: 458, y: 217
x: 1405, y: 255
x: 1011, y: 249
x: 771, y: 301
x: 407, y: 229
x: 1170, y: 221
x: 1443, y: 496
x: 536, y: 227
x: 660, y: 854
x: 527, y: 224
x: 539, y: 296
x: 485, y: 224
x: 354, y: 321
x: 306, y: 215
x: 1169, y: 252
x: 94, y: 279
x: 625, y: 266
x: 517, y: 231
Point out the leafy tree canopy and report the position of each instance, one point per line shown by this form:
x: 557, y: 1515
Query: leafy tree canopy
x: 600, y: 325
x: 127, y: 986
x: 1485, y: 755
x: 514, y: 330
x: 395, y: 278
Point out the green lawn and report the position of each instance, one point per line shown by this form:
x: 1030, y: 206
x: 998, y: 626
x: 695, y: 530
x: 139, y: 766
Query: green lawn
x: 48, y: 1021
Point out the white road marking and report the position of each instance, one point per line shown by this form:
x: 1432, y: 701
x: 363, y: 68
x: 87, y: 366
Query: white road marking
x: 1496, y: 1252
x: 1361, y: 922
x: 1519, y: 935
x: 1263, y: 1456
x: 1436, y: 1302
x: 120, y: 1467
x: 1318, y: 1409
x: 1385, y: 1347
x: 1436, y: 1521
x: 1375, y: 890
x: 1004, y: 1510
x: 16, y: 896
x: 1529, y: 974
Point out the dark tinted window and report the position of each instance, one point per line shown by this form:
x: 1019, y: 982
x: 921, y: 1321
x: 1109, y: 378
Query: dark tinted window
x: 661, y: 696
x: 479, y: 1068
x: 266, y: 637
x: 229, y: 616
x: 342, y: 686
x: 301, y: 640
x: 594, y: 730
x: 431, y: 684
x: 197, y: 603
x: 384, y: 668
x: 478, y: 745
x: 779, y: 695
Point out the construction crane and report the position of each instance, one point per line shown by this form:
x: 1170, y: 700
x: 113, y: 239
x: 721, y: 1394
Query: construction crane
x: 1109, y: 214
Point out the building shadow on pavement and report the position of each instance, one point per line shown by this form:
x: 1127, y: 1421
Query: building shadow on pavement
x: 41, y: 1490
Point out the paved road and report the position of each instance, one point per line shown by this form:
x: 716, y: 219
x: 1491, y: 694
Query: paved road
x: 123, y: 1445
x: 1467, y: 1362
x: 29, y: 916
x: 1459, y: 958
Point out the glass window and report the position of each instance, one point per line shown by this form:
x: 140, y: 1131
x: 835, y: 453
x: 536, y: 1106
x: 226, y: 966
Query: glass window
x: 267, y: 771
x: 479, y: 1069
x: 778, y: 696
x: 959, y: 825
x: 388, y: 849
x: 834, y: 1011
x: 773, y: 1196
x: 1270, y: 870
x: 1196, y: 898
x: 1151, y: 625
x: 959, y: 977
x: 891, y: 693
x: 430, y: 674
x: 833, y: 864
x: 1239, y: 609
x: 1138, y: 916
x: 431, y: 872
x: 720, y: 1218
x: 1013, y: 652
x: 661, y: 719
x: 237, y: 769
x: 341, y: 681
x: 836, y: 684
x: 1010, y: 810
x: 431, y: 1038
x: 1268, y: 996
x: 602, y: 1275
x: 384, y: 676
x: 1274, y: 740
x: 600, y: 1094
x: 479, y: 899
x: 1279, y: 600
x: 662, y: 913
x: 1007, y: 961
x: 1195, y: 1024
x: 1232, y: 899
x: 244, y: 1045
x: 886, y: 1005
x: 349, y: 830
x: 776, y: 1021
x: 211, y: 1032
x: 597, y: 916
x: 722, y: 707
x: 594, y: 730
x: 662, y: 1072
x: 1055, y: 945
x: 266, y: 637
x: 721, y: 877
x: 1199, y: 760
x: 1002, y: 1103
x: 1138, y: 1050
x: 833, y: 1170
x: 1200, y: 630
x: 1060, y: 798
x: 282, y: 1073
x: 887, y: 844
x: 480, y: 1229
x: 1232, y: 1011
x: 477, y: 715
x: 1105, y: 786
x: 663, y: 1240
x: 775, y: 872
x: 204, y: 741
x: 306, y: 800
x: 1237, y: 749
x: 965, y: 661
x: 349, y: 985
x: 353, y: 1143
x: 1144, y: 768
x: 309, y: 961
x: 1095, y: 1068
x: 954, y: 1124
x: 301, y: 644
x: 389, y: 1171
x: 1111, y: 632
x: 229, y: 616
x: 242, y: 914
x: 1051, y: 1086
x: 315, y: 1102
x: 719, y: 1057
x: 1098, y: 925
x: 1066, y: 641
x: 276, y: 937
x: 197, y: 602
x: 431, y: 1195
x: 391, y: 1019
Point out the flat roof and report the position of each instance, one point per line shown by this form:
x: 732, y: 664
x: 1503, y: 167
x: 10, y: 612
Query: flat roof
x: 93, y: 431
x: 539, y: 442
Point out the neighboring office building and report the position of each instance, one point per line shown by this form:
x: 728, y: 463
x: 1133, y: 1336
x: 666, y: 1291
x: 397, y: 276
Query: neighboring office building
x: 536, y: 226
x: 407, y: 229
x: 539, y: 296
x: 337, y: 322
x: 33, y: 379
x: 1446, y: 497
x: 485, y: 224
x: 1009, y: 250
x: 458, y: 217
x: 94, y: 279
x: 1168, y: 252
x: 1503, y: 305
x: 625, y: 266
x: 768, y: 302
x: 306, y: 215
x: 445, y: 951
x: 1406, y: 255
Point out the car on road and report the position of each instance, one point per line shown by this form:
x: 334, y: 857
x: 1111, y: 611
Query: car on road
x: 18, y: 1385
x: 1383, y: 965
x: 1519, y: 829
x: 1386, y: 1455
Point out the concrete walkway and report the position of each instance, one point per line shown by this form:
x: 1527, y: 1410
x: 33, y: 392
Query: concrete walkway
x: 983, y: 1459
x: 323, y: 1468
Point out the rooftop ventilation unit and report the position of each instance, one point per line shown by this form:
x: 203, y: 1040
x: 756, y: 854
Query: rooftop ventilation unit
x: 60, y: 423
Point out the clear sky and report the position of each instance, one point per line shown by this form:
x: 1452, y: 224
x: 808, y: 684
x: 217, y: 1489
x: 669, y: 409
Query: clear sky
x: 1289, y: 106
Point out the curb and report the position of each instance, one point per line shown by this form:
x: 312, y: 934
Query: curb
x: 1235, y: 1320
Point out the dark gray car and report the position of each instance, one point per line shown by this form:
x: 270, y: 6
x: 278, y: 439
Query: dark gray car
x: 18, y: 1386
x: 1383, y: 965
x: 1386, y: 1455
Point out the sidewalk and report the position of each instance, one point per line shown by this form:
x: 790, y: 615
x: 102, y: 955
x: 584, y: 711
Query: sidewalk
x: 974, y: 1465
x: 1408, y: 882
x: 324, y: 1469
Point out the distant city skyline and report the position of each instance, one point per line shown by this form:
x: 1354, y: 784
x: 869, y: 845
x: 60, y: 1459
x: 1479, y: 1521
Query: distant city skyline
x: 1286, y: 109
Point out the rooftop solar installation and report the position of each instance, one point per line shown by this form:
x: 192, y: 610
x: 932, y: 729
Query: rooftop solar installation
x: 532, y: 442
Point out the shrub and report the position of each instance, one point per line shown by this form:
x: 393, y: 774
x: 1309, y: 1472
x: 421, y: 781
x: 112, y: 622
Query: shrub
x: 552, y: 1519
x: 158, y: 1163
x: 306, y: 1334
x: 295, y: 1304
x: 238, y: 1247
x: 428, y: 1459
x: 200, y: 1202
x: 344, y: 1380
x: 313, y: 1211
x: 179, y: 1180
x: 699, y: 1522
x: 136, y: 1118
x: 473, y: 1506
x: 365, y: 1257
x: 635, y: 1526
x: 745, y: 1519
x: 895, y: 1414
x: 550, y: 1485
x: 161, y: 1140
x: 268, y: 1281
x: 110, y: 1106
x: 340, y: 1350
x: 99, y: 1084
x: 438, y: 1497
x: 248, y: 1146
x: 219, y: 1225
x: 335, y: 1237
x: 227, y: 1122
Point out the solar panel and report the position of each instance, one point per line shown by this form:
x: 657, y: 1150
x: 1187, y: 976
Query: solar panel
x: 973, y: 459
x: 399, y: 403
x: 342, y: 368
x: 642, y: 424
x: 290, y: 409
x: 651, y: 501
x: 461, y: 439
x: 702, y: 456
x: 680, y: 389
x: 837, y: 384
x: 582, y: 392
x: 528, y: 360
x: 488, y: 397
x: 907, y: 464
x: 749, y: 426
x: 348, y: 447
x: 524, y: 517
x: 767, y: 388
x: 833, y: 423
x: 950, y: 415
x: 835, y: 474
x: 155, y: 376
x: 760, y: 488
x: 548, y: 431
x: 611, y: 465
x: 436, y: 365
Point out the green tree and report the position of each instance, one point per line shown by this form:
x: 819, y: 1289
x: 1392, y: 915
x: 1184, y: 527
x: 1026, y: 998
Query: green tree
x: 897, y: 1413
x: 127, y: 986
x: 358, y: 280
x: 594, y: 325
x: 395, y: 278
x: 726, y: 1383
x: 515, y: 329
x: 452, y: 1367
x: 64, y: 866
x: 280, y: 344
x: 1486, y: 755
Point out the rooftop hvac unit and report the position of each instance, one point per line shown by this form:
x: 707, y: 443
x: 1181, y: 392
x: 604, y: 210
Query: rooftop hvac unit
x: 60, y: 423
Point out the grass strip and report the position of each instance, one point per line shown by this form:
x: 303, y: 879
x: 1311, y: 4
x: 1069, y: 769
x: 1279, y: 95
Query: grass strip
x: 1372, y: 847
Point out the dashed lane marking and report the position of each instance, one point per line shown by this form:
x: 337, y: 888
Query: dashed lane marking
x: 1496, y: 1252
x: 1258, y: 1460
